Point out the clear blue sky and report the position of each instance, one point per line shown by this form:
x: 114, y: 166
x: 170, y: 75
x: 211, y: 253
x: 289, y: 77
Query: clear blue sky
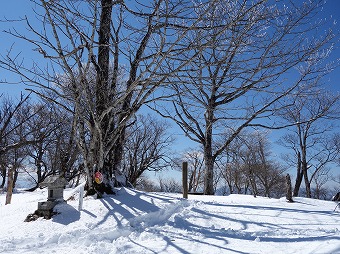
x: 19, y: 8
x: 15, y: 9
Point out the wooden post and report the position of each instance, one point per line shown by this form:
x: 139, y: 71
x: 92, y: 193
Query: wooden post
x: 185, y: 179
x: 289, y: 189
x: 9, y: 186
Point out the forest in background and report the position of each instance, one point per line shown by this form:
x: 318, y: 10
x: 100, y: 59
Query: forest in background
x: 224, y: 72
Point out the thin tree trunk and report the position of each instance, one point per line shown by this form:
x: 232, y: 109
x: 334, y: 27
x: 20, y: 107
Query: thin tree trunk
x: 253, y: 182
x: 298, y: 177
x: 191, y: 180
x: 15, y: 178
x: 307, y: 183
x: 304, y: 168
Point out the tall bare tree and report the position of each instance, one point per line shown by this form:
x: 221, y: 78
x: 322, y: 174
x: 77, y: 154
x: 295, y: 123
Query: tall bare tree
x: 238, y: 79
x: 320, y: 179
x: 55, y: 150
x: 103, y: 60
x: 195, y: 161
x: 13, y: 117
x: 248, y: 167
x: 147, y: 147
x: 230, y: 169
x: 14, y: 136
x: 311, y: 139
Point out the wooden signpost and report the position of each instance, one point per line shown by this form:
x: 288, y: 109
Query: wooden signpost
x: 185, y: 179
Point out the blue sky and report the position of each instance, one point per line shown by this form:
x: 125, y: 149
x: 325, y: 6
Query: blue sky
x: 19, y: 8
x: 15, y: 9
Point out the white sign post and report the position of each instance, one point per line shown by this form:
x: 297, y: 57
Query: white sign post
x: 81, y: 197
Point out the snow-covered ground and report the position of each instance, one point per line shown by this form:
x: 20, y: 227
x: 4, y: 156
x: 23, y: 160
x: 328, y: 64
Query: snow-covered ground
x: 138, y: 222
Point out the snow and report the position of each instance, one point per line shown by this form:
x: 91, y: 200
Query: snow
x: 136, y: 222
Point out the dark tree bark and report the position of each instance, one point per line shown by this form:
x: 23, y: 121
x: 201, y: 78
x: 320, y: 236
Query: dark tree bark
x: 299, y: 176
x: 289, y: 196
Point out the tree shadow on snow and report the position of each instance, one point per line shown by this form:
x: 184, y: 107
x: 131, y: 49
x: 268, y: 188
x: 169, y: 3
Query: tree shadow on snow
x: 129, y: 204
x: 188, y: 231
x: 66, y: 214
x: 224, y: 234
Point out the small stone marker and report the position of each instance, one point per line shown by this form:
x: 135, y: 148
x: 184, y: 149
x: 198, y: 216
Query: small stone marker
x: 55, y: 188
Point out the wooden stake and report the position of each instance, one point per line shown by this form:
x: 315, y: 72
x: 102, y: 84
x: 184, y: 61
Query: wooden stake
x: 9, y: 186
x: 185, y: 179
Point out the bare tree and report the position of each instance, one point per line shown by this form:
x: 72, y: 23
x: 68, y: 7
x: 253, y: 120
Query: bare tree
x: 248, y: 167
x: 14, y: 162
x: 14, y: 136
x: 269, y: 173
x: 336, y: 179
x: 195, y: 161
x: 55, y: 151
x: 13, y: 117
x: 235, y: 180
x: 320, y: 179
x: 146, y: 148
x: 311, y: 139
x: 337, y: 146
x: 147, y: 185
x: 265, y: 176
x: 41, y: 127
x: 65, y: 154
x: 104, y: 59
x: 170, y: 185
x: 238, y: 79
x: 230, y: 169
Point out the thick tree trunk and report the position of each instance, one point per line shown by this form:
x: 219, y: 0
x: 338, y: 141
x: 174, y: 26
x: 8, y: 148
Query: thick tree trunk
x: 102, y: 68
x: 116, y: 155
x: 97, y: 156
x: 208, y: 151
x: 231, y: 190
x: 209, y: 176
